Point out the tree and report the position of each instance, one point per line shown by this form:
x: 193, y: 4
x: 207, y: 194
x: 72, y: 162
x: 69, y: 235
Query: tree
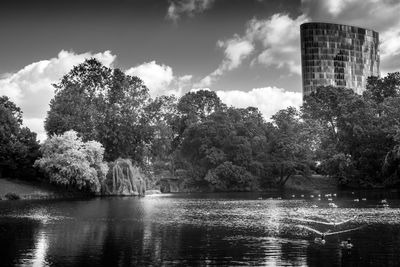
x: 291, y: 145
x: 105, y: 105
x: 225, y: 151
x: 378, y: 89
x: 195, y: 107
x: 18, y: 145
x: 69, y: 161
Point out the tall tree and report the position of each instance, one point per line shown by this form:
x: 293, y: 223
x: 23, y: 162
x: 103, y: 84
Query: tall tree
x: 290, y: 146
x: 105, y: 105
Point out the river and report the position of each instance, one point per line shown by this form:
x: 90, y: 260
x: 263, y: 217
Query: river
x: 269, y: 229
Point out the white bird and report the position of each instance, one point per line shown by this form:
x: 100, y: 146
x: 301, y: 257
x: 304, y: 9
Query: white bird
x: 329, y: 199
x: 312, y: 196
x: 356, y: 200
x: 332, y: 205
x: 319, y: 195
x: 334, y: 195
x: 383, y: 201
x: 314, y: 206
x: 302, y: 195
x: 346, y: 244
x: 293, y: 195
x: 364, y: 199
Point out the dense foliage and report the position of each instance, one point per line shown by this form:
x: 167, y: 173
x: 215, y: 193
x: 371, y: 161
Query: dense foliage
x: 69, y: 161
x: 18, y: 145
x: 200, y: 141
x: 358, y: 134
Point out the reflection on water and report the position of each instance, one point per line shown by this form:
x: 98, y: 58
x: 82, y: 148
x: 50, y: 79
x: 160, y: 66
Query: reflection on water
x: 200, y: 229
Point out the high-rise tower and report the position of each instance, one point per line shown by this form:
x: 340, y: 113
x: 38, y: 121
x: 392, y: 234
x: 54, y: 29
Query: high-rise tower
x: 338, y: 55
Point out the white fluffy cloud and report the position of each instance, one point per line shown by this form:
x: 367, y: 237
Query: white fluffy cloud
x: 279, y: 37
x: 273, y: 41
x: 236, y: 50
x: 156, y: 77
x: 30, y: 88
x: 268, y: 100
x: 177, y: 8
x: 160, y: 79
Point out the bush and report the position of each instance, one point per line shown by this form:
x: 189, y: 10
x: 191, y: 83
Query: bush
x: 12, y: 196
x: 67, y: 160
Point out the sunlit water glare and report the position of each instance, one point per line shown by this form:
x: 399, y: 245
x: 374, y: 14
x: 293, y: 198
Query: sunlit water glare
x: 202, y: 229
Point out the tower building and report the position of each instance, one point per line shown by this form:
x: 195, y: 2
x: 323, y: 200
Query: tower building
x: 337, y: 55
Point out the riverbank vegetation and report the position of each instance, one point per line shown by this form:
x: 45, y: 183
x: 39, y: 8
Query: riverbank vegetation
x: 122, y: 139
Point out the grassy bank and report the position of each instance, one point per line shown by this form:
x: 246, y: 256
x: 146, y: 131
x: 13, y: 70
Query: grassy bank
x: 11, y: 189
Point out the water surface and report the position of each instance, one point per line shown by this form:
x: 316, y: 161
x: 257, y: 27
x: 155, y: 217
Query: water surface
x: 202, y: 229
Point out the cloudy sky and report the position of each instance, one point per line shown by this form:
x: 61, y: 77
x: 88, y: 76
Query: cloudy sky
x: 246, y: 50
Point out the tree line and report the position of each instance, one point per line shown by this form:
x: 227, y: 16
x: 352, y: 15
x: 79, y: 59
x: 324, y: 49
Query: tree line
x: 210, y: 146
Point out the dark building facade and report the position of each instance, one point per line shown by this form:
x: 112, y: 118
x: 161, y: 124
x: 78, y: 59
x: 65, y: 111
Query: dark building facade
x: 338, y: 55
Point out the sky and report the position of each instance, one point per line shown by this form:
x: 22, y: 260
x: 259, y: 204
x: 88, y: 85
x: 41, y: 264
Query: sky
x: 247, y: 51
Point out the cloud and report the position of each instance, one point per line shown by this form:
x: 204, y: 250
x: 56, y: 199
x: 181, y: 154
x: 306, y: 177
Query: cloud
x: 274, y: 42
x: 160, y: 79
x: 380, y: 15
x: 177, y: 8
x: 156, y: 77
x: 268, y: 100
x: 236, y: 50
x: 30, y: 88
x: 280, y: 41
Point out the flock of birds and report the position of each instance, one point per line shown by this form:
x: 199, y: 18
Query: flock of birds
x: 329, y: 197
x: 346, y: 244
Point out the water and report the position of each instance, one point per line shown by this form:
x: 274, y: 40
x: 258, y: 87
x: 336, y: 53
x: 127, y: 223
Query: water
x: 201, y: 229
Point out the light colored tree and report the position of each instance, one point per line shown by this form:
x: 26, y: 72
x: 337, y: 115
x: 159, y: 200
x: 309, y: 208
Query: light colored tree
x: 67, y: 160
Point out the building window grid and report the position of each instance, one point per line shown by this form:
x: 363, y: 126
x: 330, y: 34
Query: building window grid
x: 350, y: 50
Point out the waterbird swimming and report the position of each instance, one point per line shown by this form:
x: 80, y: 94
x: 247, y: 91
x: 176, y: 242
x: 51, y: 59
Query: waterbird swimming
x: 356, y: 200
x: 346, y: 244
x: 364, y: 199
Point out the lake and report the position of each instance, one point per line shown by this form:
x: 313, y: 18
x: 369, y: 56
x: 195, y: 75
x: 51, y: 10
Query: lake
x: 269, y: 229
